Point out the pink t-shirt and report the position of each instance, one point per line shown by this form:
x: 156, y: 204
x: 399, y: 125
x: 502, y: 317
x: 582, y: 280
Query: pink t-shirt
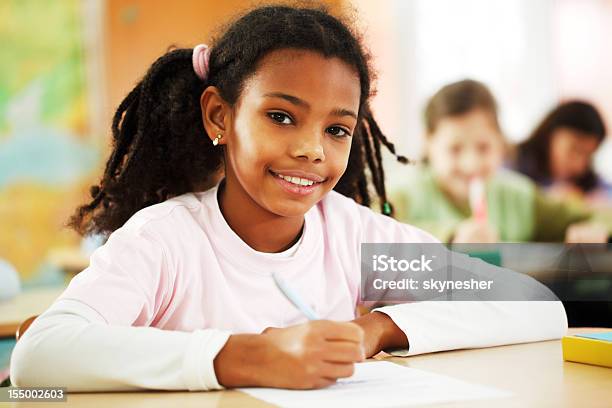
x: 178, y: 265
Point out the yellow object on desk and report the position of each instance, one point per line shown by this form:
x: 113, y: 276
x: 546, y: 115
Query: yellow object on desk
x: 589, y: 348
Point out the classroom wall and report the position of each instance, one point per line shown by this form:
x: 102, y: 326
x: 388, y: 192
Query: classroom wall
x: 47, y: 148
x: 139, y: 31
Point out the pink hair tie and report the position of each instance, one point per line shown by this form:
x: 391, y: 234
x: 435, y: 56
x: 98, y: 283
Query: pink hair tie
x: 201, y: 55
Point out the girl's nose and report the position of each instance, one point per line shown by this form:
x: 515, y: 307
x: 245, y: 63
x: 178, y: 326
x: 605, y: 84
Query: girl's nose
x: 310, y: 148
x: 469, y: 163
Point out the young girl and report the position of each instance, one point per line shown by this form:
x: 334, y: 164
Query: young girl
x: 464, y: 151
x: 559, y: 153
x: 182, y: 296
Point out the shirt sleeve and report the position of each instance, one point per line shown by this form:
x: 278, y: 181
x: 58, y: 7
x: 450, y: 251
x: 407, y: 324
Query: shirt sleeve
x: 99, y: 331
x: 128, y: 280
x: 71, y: 345
x: 439, y: 325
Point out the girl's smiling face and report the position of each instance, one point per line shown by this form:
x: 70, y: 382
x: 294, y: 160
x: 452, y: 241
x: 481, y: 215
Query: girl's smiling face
x: 290, y: 135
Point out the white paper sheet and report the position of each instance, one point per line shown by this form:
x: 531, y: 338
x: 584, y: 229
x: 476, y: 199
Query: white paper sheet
x: 381, y: 384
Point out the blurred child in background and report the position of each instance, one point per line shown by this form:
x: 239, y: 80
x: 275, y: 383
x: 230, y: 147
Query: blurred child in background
x: 461, y: 193
x: 559, y: 153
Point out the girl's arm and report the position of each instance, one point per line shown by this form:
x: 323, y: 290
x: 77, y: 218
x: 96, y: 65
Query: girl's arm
x: 71, y: 345
x: 381, y: 333
x: 96, y: 336
x: 427, y: 327
x: 430, y: 326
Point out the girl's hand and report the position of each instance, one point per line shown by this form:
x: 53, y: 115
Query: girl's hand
x: 471, y: 231
x: 586, y: 232
x: 309, y: 355
x: 380, y: 333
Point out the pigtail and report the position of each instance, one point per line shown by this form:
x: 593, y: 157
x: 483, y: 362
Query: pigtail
x: 366, y: 149
x: 378, y: 139
x: 160, y: 147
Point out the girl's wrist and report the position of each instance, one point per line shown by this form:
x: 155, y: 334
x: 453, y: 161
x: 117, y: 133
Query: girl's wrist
x: 238, y: 363
x: 381, y: 333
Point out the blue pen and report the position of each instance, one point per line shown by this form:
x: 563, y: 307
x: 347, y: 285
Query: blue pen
x: 294, y: 298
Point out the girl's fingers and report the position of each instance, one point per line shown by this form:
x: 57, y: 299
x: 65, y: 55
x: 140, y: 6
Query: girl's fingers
x: 344, y: 331
x: 337, y: 370
x: 325, y: 382
x: 343, y: 352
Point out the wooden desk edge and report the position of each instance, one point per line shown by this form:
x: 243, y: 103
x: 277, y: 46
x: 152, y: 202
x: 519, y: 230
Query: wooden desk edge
x: 8, y: 330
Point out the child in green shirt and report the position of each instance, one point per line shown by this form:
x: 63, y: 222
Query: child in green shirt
x: 465, y: 148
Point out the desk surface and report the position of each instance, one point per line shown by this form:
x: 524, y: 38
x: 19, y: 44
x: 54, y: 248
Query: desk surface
x: 535, y: 373
x: 28, y: 303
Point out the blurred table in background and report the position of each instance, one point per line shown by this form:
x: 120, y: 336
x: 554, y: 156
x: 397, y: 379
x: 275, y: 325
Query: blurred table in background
x: 28, y: 303
x: 70, y: 260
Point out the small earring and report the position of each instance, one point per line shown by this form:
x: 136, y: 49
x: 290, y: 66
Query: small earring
x: 216, y: 139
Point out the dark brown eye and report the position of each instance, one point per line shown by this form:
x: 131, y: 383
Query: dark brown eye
x: 280, y: 117
x: 337, y: 131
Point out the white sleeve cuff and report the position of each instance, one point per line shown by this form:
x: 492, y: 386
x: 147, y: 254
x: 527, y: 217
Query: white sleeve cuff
x: 440, y: 326
x: 199, y: 357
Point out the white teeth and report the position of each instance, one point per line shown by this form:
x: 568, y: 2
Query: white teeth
x: 297, y: 180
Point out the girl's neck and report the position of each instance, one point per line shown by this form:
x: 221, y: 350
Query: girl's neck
x: 260, y: 229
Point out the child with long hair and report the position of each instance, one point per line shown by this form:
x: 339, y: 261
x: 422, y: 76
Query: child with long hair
x: 182, y: 296
x: 558, y: 155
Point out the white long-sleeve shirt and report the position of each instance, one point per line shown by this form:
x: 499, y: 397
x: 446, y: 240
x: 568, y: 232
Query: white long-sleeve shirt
x: 162, y: 296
